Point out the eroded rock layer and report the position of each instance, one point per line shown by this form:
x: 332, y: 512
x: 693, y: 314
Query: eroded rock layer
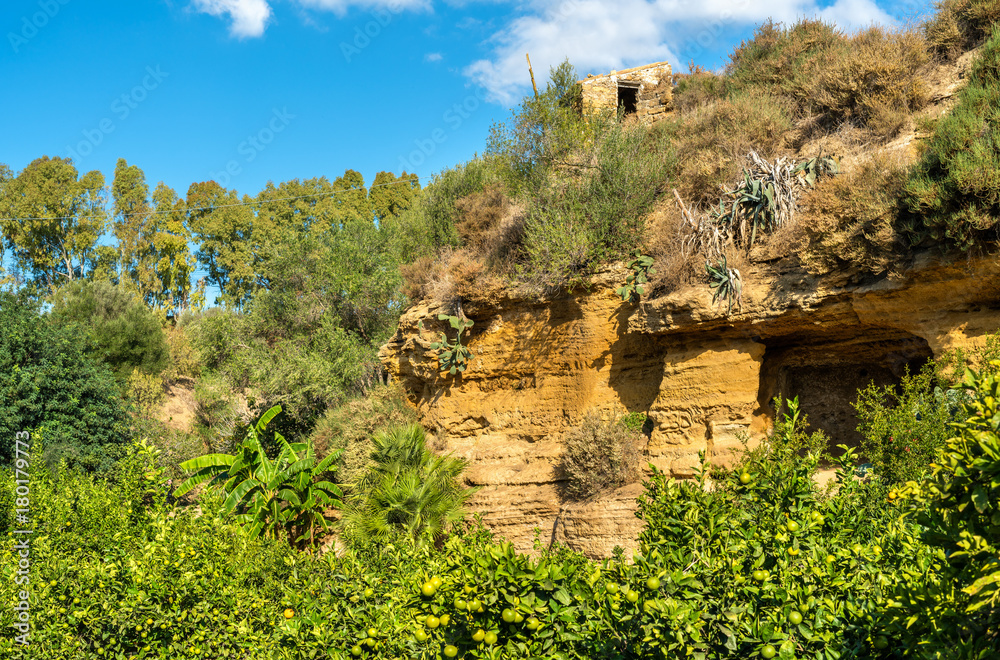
x: 703, y: 378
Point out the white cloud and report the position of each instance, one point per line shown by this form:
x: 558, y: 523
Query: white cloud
x: 340, y: 7
x: 249, y: 17
x: 433, y: 57
x: 601, y: 35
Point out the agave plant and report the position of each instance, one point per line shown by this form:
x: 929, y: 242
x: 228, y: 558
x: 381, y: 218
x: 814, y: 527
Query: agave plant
x: 287, y: 495
x: 753, y: 208
x: 726, y: 282
x: 763, y: 201
x: 453, y: 357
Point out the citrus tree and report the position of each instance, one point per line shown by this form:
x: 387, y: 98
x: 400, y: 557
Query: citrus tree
x: 949, y: 605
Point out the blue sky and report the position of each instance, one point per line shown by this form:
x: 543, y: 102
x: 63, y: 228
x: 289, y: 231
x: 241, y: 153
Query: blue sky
x: 247, y: 91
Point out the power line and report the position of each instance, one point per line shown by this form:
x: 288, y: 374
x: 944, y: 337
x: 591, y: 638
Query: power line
x: 410, y: 181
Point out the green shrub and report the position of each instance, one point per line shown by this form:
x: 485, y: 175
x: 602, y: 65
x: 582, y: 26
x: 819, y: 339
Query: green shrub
x: 447, y: 188
x: 904, y: 427
x: 144, y: 392
x: 351, y: 426
x: 545, y: 133
x: 310, y: 340
x: 184, y: 362
x: 726, y: 566
x: 600, y: 216
x: 52, y: 388
x: 951, y: 365
x: 951, y: 608
x: 123, y: 332
x: 953, y: 194
x: 601, y: 455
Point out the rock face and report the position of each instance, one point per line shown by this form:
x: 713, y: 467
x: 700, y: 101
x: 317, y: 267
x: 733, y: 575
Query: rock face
x: 704, y: 379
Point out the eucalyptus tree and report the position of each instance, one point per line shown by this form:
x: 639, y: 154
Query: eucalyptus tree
x: 52, y: 218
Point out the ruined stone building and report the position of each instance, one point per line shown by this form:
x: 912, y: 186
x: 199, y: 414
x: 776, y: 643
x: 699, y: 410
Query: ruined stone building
x: 643, y: 91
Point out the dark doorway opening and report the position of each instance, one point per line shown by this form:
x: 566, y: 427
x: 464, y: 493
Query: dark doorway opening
x: 826, y: 372
x: 628, y: 98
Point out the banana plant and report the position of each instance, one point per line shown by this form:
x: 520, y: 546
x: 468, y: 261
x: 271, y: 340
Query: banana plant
x: 453, y: 357
x: 641, y: 268
x: 726, y: 282
x: 287, y: 495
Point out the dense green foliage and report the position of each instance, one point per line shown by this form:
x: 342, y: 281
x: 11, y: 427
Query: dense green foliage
x: 309, y: 340
x: 904, y: 427
x: 756, y: 561
x: 949, y: 607
x: 953, y: 194
x: 446, y: 188
x: 123, y: 333
x: 576, y: 224
x: 542, y: 134
x: 51, y: 388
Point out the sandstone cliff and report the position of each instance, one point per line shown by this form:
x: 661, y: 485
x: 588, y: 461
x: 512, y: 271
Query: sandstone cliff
x: 701, y: 376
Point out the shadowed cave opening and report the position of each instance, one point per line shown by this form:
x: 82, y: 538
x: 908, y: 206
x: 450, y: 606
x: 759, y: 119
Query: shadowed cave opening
x: 826, y: 371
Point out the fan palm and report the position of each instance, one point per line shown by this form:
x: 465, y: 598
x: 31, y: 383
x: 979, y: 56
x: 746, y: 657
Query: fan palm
x: 408, y: 491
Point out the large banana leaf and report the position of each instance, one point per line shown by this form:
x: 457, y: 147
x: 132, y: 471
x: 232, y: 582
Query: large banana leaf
x: 205, y: 468
x: 239, y: 493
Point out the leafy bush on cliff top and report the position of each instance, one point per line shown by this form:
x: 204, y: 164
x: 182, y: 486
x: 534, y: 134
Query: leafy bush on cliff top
x: 598, y: 216
x: 953, y: 195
